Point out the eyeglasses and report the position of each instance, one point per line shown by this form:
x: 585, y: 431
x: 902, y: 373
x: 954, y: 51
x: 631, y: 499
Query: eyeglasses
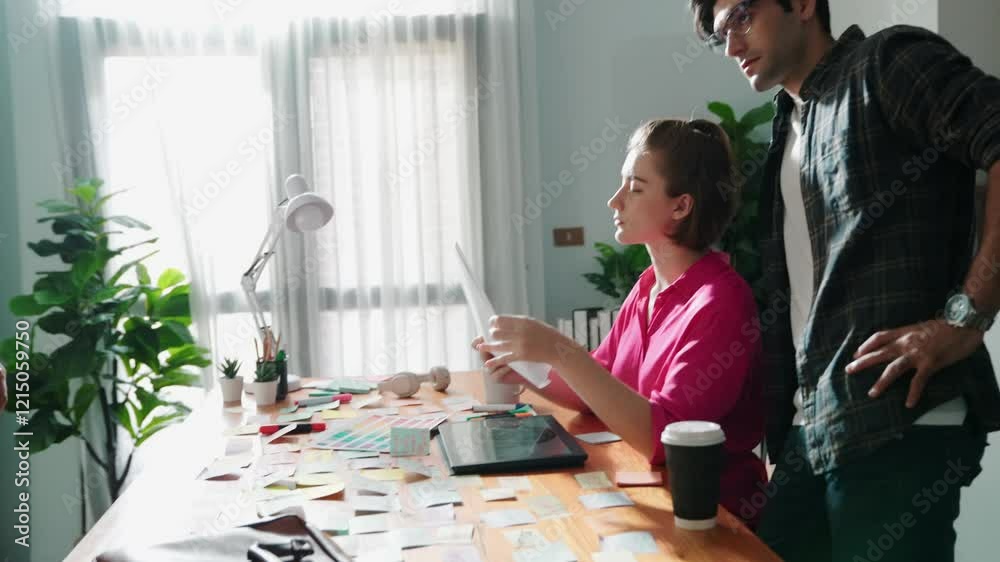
x: 737, y: 21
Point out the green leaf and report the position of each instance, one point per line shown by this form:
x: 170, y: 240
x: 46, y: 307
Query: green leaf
x: 59, y: 322
x: 724, y: 111
x: 84, y: 269
x: 169, y: 278
x: 174, y: 377
x: 86, y: 192
x: 108, y: 292
x: 84, y: 398
x: 158, y: 423
x: 142, y: 274
x: 65, y: 224
x: 758, y: 116
x: 100, y: 202
x: 147, y: 403
x: 129, y: 222
x: 124, y: 269
x: 176, y: 304
x: 57, y: 206
x: 26, y: 305
x: 45, y: 248
x: 121, y: 413
x: 188, y: 355
x: 173, y: 334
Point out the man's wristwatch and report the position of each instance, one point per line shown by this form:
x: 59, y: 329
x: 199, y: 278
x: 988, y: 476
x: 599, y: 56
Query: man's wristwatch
x: 961, y: 312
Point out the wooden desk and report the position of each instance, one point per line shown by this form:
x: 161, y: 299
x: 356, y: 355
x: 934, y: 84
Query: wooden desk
x: 167, y: 502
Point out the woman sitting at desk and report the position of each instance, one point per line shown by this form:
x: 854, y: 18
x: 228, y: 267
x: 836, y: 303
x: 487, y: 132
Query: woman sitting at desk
x: 686, y: 343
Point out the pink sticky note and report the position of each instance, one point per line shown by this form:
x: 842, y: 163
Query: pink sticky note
x: 639, y: 478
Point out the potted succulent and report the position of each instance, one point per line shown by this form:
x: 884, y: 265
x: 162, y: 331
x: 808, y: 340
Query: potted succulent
x: 265, y: 383
x: 231, y: 384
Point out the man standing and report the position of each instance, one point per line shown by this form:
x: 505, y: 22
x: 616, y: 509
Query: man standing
x: 882, y: 389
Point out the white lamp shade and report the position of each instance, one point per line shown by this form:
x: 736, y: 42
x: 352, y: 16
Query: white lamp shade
x: 305, y: 211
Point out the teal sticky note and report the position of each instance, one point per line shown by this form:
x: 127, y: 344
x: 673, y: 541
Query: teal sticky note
x: 409, y: 442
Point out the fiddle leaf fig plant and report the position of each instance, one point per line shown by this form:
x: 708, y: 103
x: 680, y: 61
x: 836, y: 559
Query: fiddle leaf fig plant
x: 110, y: 343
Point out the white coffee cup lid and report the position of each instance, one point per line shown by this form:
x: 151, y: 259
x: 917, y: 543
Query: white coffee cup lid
x: 692, y: 434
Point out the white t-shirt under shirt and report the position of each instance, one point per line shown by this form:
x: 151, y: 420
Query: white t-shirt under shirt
x: 799, y: 257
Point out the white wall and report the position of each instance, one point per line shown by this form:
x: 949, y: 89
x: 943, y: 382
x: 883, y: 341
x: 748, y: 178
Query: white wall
x: 971, y: 26
x: 626, y: 61
x: 877, y: 15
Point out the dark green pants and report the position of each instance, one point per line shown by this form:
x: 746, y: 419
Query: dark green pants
x: 898, y: 504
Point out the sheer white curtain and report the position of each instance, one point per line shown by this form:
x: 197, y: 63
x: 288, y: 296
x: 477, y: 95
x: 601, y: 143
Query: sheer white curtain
x: 405, y: 115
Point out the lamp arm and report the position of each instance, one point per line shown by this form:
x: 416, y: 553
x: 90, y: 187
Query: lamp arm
x: 264, y: 254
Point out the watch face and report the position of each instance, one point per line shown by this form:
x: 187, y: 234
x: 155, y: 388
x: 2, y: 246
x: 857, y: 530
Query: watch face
x: 959, y: 308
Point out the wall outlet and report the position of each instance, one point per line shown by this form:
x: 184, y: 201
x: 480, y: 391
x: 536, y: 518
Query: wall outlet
x: 572, y: 236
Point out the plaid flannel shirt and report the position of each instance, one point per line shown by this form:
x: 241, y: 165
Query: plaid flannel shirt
x: 894, y: 127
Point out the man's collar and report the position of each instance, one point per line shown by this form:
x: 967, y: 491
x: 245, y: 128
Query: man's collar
x: 814, y: 84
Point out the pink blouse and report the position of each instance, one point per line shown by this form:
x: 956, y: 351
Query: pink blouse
x: 696, y: 360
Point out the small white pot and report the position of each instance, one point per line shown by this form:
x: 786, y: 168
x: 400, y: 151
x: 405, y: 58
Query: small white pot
x: 264, y: 392
x: 232, y: 389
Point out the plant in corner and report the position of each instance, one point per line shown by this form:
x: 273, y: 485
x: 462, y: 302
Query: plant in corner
x: 621, y: 269
x: 232, y: 386
x: 117, y: 344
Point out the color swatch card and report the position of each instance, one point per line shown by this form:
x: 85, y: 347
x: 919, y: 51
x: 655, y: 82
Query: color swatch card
x: 593, y: 480
x: 605, y: 500
x: 598, y: 438
x: 409, y: 442
x: 372, y: 433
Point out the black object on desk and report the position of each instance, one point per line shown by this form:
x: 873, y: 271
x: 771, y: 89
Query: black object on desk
x: 508, y: 444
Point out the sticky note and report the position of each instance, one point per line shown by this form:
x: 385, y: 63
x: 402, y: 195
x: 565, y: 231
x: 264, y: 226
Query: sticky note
x: 463, y: 553
x: 496, y: 494
x: 317, y: 479
x: 339, y: 414
x: 554, y: 552
x: 639, y: 478
x: 638, y: 542
x: 437, y: 497
x: 613, y: 556
x: 515, y: 483
x: 598, y: 438
x: 248, y: 429
x: 375, y: 503
x: 289, y: 410
x: 384, y: 474
x: 414, y: 466
x: 605, y: 500
x: 507, y: 518
x: 369, y: 524
x: 547, y: 507
x: 409, y: 441
x: 526, y: 538
x: 593, y: 480
x: 373, y: 462
x: 470, y: 481
x: 317, y: 492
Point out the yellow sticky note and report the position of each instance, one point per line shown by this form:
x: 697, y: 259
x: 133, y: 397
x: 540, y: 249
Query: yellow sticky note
x: 318, y: 492
x: 385, y: 474
x: 339, y: 414
x: 318, y: 480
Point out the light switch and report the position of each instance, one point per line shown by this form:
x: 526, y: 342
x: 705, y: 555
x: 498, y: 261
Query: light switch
x: 572, y: 236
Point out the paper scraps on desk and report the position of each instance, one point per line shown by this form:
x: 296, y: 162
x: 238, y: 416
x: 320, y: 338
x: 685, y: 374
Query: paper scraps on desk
x: 348, y: 455
x: 593, y: 480
x: 292, y: 418
x: 246, y: 429
x: 464, y: 553
x: 375, y: 504
x: 554, y: 552
x: 366, y: 401
x: 519, y: 483
x: 280, y: 458
x: 258, y: 419
x: 497, y: 494
x: 369, y: 524
x: 324, y: 407
x: 638, y: 542
x: 289, y: 410
x: 224, y: 466
x: 339, y: 414
x: 372, y: 433
x: 328, y: 515
x: 429, y: 409
x: 384, y: 411
x: 437, y: 497
x: 442, y: 515
x: 526, y: 538
x: 240, y: 445
x: 606, y: 500
x: 324, y: 479
x: 638, y: 478
x: 360, y: 483
x: 507, y: 518
x: 385, y: 474
x: 372, y: 462
x: 598, y: 438
x: 409, y: 442
x: 233, y: 410
x: 613, y: 556
x: 547, y: 507
x: 416, y: 467
x: 389, y: 553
